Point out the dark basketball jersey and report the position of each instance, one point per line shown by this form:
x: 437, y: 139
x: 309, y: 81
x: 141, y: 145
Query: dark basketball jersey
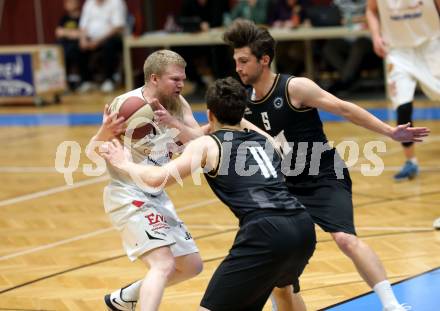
x: 248, y: 177
x: 69, y: 22
x: 298, y: 131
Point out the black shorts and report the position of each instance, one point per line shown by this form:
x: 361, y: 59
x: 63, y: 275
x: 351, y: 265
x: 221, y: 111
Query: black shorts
x: 327, y: 199
x: 269, y: 251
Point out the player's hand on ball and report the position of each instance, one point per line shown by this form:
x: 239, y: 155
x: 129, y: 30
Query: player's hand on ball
x: 114, y: 153
x: 112, y: 125
x: 161, y: 115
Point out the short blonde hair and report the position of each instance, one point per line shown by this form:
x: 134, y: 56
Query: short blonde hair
x: 158, y: 61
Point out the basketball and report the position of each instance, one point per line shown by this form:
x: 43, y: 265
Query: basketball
x: 138, y: 116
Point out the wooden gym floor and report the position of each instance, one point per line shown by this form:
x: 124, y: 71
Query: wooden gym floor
x: 58, y: 250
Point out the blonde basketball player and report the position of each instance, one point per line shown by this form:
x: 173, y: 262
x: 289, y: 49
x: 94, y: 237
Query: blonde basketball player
x: 150, y: 228
x: 276, y: 237
x: 407, y: 34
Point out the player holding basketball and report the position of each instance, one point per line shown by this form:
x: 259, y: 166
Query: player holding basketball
x: 150, y: 228
x: 407, y: 34
x: 276, y: 237
x: 286, y: 108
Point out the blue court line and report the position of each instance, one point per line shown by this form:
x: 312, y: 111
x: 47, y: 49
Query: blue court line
x: 74, y: 119
x: 421, y: 292
x: 51, y: 119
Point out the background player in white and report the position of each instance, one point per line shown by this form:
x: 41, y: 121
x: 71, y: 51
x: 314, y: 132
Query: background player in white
x: 150, y: 228
x: 407, y: 34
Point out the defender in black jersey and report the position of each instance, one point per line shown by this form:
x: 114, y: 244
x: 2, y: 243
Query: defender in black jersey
x: 286, y: 108
x: 276, y: 236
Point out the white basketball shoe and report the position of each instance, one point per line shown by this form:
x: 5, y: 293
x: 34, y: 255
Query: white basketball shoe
x: 436, y: 224
x: 114, y: 302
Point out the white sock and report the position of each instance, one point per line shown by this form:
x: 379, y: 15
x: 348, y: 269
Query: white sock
x: 385, y: 292
x: 131, y: 292
x: 274, y: 304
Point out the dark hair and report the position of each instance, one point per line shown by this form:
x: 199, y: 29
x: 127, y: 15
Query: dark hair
x: 242, y: 33
x: 226, y: 99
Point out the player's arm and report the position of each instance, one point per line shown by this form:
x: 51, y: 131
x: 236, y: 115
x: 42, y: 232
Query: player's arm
x: 249, y: 125
x: 202, y: 152
x: 372, y: 14
x: 206, y: 128
x: 188, y: 129
x: 373, y: 20
x: 304, y: 93
x: 245, y: 124
x: 112, y: 126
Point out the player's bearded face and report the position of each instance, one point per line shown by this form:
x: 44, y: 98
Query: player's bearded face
x: 167, y: 100
x: 171, y: 102
x: 169, y: 87
x: 170, y: 83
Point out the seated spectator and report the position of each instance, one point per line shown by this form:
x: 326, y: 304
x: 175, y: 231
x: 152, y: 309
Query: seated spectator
x: 202, y: 15
x: 67, y: 34
x: 102, y: 25
x: 254, y: 10
x: 349, y: 55
x: 289, y: 54
x: 320, y: 13
x: 285, y: 14
x: 207, y: 13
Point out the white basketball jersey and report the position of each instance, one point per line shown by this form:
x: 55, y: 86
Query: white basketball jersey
x: 408, y: 23
x: 154, y: 149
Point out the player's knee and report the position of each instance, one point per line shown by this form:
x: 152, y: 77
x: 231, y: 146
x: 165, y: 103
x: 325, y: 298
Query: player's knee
x: 190, y: 265
x: 346, y: 242
x: 165, y: 267
x: 404, y: 116
x: 195, y: 267
x: 283, y: 295
x: 283, y: 291
x: 404, y: 113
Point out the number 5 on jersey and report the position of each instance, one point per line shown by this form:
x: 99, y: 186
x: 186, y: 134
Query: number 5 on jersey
x: 265, y: 119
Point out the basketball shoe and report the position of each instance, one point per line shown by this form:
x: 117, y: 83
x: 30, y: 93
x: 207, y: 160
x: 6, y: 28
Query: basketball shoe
x: 408, y: 171
x: 436, y: 224
x: 402, y: 307
x: 114, y: 302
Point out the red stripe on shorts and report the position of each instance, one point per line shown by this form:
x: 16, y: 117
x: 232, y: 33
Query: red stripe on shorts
x: 137, y: 203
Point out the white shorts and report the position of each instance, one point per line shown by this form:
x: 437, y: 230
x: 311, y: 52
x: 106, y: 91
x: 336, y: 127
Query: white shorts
x: 148, y: 223
x: 407, y: 66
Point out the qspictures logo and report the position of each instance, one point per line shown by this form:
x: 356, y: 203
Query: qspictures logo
x: 297, y: 157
